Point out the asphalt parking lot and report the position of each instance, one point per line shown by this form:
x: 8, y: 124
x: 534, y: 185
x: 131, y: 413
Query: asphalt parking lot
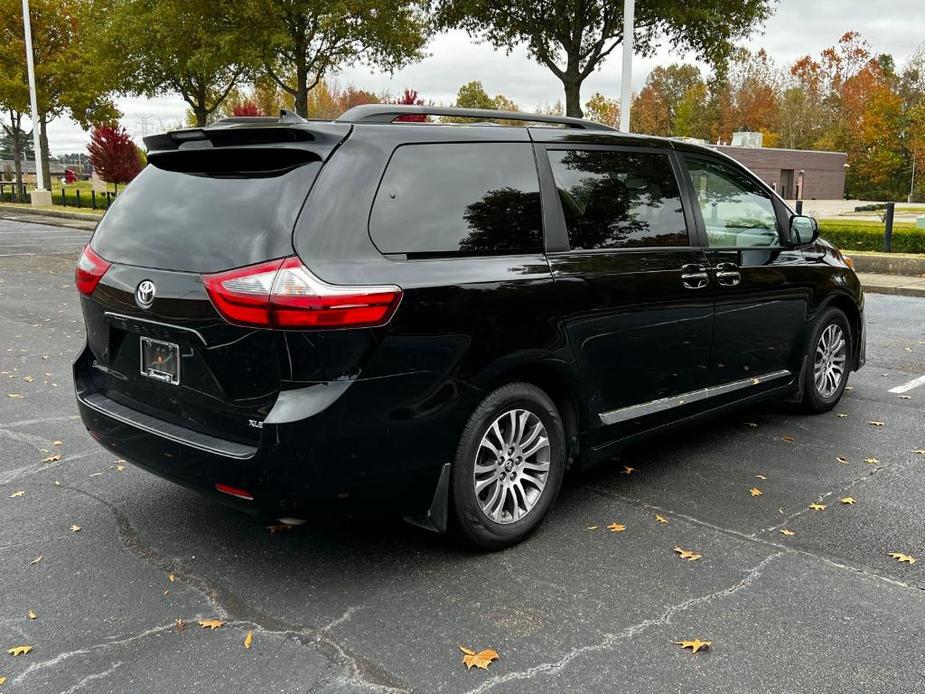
x: 346, y: 606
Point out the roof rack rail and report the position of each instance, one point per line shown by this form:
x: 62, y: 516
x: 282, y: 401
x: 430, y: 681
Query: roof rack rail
x: 387, y: 113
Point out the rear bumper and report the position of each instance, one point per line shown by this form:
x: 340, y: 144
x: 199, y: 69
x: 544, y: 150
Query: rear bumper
x: 377, y: 445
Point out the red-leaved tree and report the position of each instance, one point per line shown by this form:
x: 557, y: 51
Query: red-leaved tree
x: 113, y: 155
x: 246, y: 108
x: 410, y: 98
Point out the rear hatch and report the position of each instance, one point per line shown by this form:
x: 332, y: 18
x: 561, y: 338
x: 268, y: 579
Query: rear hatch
x: 210, y: 200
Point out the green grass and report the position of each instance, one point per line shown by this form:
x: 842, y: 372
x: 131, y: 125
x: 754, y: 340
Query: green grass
x: 856, y: 235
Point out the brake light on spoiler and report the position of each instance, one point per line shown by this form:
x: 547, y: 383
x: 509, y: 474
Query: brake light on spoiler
x: 284, y: 294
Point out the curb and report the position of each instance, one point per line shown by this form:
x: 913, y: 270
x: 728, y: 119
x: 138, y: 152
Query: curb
x: 894, y: 290
x: 58, y: 214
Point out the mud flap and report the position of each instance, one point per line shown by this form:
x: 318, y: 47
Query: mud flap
x: 435, y: 519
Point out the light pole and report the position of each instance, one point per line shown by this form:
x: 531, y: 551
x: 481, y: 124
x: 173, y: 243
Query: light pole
x: 626, y: 87
x: 40, y: 196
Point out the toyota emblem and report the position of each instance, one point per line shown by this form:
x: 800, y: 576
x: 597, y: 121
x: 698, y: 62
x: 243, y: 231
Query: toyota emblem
x: 144, y: 294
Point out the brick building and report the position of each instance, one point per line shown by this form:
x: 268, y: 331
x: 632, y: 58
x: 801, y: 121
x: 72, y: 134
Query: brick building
x: 796, y: 174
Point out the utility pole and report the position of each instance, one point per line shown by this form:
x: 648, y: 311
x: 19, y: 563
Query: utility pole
x: 626, y: 87
x: 40, y: 196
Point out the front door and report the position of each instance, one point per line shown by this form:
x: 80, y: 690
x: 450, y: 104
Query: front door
x: 761, y: 307
x: 642, y: 319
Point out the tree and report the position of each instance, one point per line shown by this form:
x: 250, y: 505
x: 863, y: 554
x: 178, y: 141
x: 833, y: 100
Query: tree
x: 247, y: 108
x: 655, y: 108
x: 113, y: 155
x: 185, y: 47
x: 603, y: 110
x: 473, y: 95
x: 298, y: 42
x: 573, y: 37
x: 410, y: 98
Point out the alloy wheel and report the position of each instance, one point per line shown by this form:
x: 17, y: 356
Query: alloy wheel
x: 511, y: 466
x: 831, y: 356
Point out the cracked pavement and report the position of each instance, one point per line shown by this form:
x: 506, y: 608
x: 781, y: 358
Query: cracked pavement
x: 344, y: 606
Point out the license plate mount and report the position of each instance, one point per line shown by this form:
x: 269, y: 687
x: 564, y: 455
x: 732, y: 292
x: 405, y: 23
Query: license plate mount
x: 160, y: 360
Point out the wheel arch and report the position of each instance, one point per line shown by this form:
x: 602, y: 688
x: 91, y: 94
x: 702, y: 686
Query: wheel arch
x: 847, y: 305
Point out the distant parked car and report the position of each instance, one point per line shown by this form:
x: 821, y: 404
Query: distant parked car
x: 437, y: 320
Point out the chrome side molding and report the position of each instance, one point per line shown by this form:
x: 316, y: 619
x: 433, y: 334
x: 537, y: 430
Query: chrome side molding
x: 662, y: 404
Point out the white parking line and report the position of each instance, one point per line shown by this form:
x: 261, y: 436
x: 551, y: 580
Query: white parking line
x: 914, y: 383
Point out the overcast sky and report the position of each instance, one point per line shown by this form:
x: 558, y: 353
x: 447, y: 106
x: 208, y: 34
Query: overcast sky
x: 798, y: 27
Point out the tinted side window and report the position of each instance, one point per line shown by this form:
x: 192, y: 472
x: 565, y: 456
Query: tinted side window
x: 615, y: 199
x: 474, y: 199
x: 736, y: 210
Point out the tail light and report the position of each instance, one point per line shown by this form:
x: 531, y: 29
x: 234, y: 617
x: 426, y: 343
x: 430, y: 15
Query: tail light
x: 284, y: 294
x: 90, y: 270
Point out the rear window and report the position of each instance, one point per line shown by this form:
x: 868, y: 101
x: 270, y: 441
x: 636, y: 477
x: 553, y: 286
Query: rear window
x: 618, y: 199
x: 193, y: 222
x: 458, y: 199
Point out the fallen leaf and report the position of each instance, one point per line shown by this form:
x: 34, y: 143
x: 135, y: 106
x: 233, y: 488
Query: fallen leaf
x: 751, y: 424
x: 871, y: 461
x: 687, y: 554
x: 279, y: 528
x: 900, y: 557
x: 919, y: 452
x: 249, y: 639
x: 755, y: 382
x: 694, y: 644
x: 2, y: 680
x: 847, y: 500
x: 817, y: 507
x: 841, y: 459
x: 19, y: 650
x: 788, y: 533
x: 905, y: 397
x: 16, y: 494
x: 849, y: 388
x: 54, y: 458
x: 15, y: 396
x: 841, y: 414
x: 32, y: 615
x: 592, y: 527
x: 482, y: 659
x: 57, y: 443
x: 616, y: 527
x: 171, y: 577
x: 876, y: 424
x: 36, y: 560
x: 627, y: 470
x: 119, y: 468
x: 907, y: 349
x: 180, y: 624
x: 760, y: 477
x: 75, y: 528
x: 788, y: 437
x: 661, y: 519
x: 211, y: 623
x: 754, y: 491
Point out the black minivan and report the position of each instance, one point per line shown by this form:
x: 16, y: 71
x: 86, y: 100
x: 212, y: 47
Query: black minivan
x: 437, y: 319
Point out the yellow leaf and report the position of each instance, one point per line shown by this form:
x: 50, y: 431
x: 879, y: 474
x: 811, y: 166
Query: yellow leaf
x: 482, y: 659
x: 36, y: 560
x: 871, y: 461
x: 119, y: 468
x: 2, y: 680
x: 616, y: 527
x: 788, y: 533
x: 211, y: 623
x: 32, y: 615
x: 171, y: 577
x: 75, y: 528
x: 54, y: 458
x: 900, y: 557
x: 249, y: 639
x: 788, y: 437
x: 661, y: 519
x: 15, y: 494
x: 592, y: 527
x: 755, y: 381
x: 817, y: 507
x: 694, y: 644
x: 919, y: 452
x: 760, y: 477
x: 847, y: 500
x: 627, y: 470
x: 876, y: 424
x: 687, y: 554
x: 841, y: 459
x: 754, y: 491
x: 19, y: 650
x: 15, y: 396
x: 57, y: 443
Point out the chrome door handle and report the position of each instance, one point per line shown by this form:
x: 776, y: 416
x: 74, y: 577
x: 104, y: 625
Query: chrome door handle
x: 727, y: 274
x: 694, y: 276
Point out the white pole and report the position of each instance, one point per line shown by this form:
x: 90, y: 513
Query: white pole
x: 30, y: 65
x: 626, y: 91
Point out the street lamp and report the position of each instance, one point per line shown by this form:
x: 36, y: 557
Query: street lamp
x: 40, y: 196
x: 626, y: 86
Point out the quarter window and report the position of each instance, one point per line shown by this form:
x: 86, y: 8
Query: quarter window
x: 737, y: 212
x: 459, y: 199
x: 618, y: 199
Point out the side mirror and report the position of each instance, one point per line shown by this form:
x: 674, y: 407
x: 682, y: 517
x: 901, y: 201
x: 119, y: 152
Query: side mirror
x: 803, y: 230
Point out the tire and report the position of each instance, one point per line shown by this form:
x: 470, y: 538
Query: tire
x: 517, y: 493
x: 821, y: 394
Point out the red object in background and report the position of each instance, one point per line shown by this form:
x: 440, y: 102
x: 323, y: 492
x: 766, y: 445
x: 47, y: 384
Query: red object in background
x: 69, y: 176
x: 247, y: 108
x: 113, y: 155
x: 410, y: 98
